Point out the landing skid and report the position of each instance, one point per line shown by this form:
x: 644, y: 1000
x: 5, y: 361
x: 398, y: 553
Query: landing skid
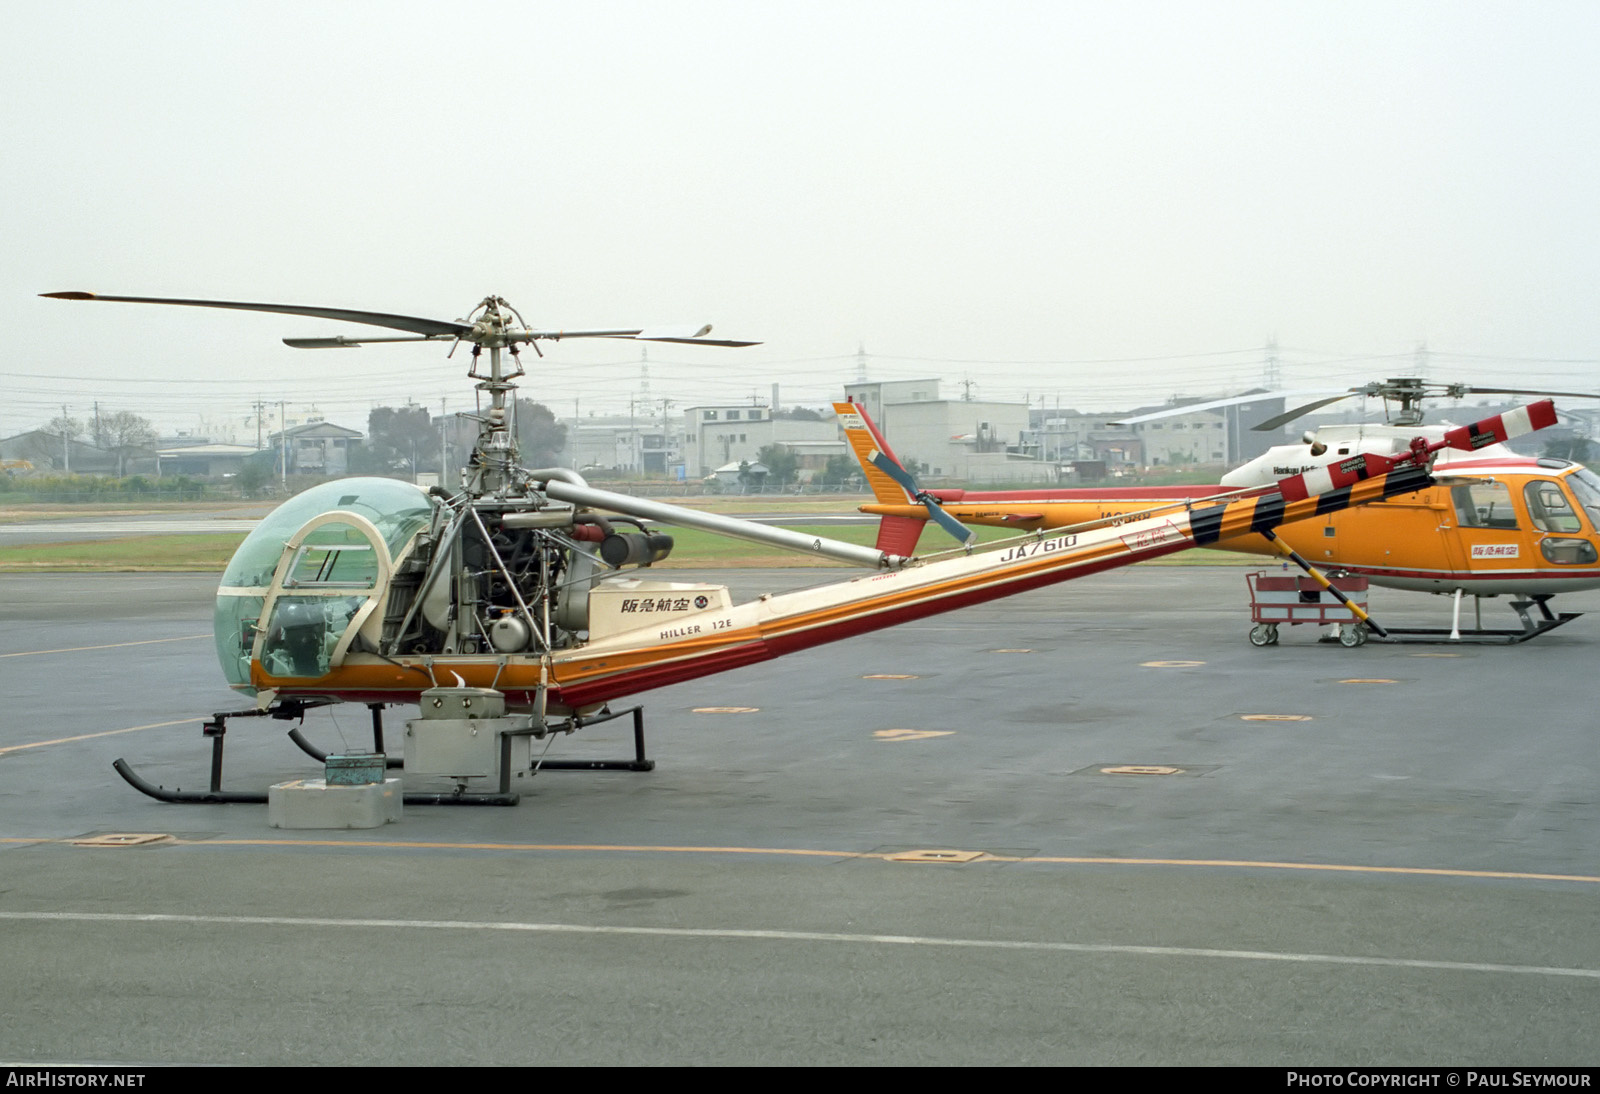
x: 1531, y: 627
x: 217, y: 729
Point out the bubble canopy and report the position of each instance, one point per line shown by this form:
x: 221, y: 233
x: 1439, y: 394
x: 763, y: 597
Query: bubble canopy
x: 334, y: 556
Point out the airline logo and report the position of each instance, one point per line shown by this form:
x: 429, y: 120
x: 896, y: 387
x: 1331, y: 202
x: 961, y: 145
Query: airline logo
x: 1494, y: 550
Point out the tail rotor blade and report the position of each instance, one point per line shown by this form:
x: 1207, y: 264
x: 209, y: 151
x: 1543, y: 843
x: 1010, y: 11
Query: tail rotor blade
x: 961, y: 532
x: 936, y: 513
x: 899, y: 474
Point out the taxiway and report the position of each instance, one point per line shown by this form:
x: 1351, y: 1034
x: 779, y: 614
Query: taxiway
x: 913, y: 847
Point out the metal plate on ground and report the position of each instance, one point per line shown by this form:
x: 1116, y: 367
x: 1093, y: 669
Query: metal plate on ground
x: 123, y: 839
x: 936, y: 856
x: 1131, y: 770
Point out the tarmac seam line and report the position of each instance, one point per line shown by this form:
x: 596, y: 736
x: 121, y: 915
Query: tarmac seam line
x: 736, y: 934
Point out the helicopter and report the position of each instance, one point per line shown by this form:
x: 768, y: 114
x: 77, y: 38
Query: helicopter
x: 1402, y: 397
x: 510, y: 607
x: 1494, y: 522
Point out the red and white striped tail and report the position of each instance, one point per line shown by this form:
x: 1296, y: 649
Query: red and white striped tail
x: 1502, y: 427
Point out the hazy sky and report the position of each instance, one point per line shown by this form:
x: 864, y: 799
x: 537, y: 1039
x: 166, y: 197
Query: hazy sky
x: 1102, y: 203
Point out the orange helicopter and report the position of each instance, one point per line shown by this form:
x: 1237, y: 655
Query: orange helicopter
x: 1492, y: 523
x: 510, y: 607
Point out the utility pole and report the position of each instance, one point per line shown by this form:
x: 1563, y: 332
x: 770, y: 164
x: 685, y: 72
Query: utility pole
x: 666, y: 437
x: 283, y: 448
x: 66, y: 442
x: 633, y: 435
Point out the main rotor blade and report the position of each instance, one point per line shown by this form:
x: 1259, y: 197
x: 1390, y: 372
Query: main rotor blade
x: 1290, y: 415
x: 1521, y: 391
x: 1231, y: 400
x: 697, y: 341
x: 372, y: 318
x: 1502, y: 427
x: 339, y: 341
x: 686, y: 335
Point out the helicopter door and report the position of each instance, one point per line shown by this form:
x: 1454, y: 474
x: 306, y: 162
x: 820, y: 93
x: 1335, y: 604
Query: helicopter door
x: 1492, y: 536
x: 331, y: 579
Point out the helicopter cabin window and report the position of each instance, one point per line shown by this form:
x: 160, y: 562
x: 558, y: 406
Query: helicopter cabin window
x: 341, y: 566
x: 1585, y: 486
x: 1483, y: 505
x: 1548, y: 507
x: 335, y: 556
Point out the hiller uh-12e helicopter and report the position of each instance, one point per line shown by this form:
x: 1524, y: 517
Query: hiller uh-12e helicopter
x: 1493, y: 523
x: 511, y: 594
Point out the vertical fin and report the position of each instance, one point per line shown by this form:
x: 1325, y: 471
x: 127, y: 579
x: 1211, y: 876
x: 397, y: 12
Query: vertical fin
x: 865, y: 442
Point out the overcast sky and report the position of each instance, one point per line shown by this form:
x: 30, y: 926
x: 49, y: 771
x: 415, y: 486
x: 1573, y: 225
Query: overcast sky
x: 1105, y: 204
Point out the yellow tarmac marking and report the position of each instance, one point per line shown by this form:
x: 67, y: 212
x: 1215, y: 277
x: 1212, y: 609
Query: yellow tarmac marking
x: 1275, y: 717
x: 91, y: 736
x: 1170, y: 664
x: 725, y: 710
x: 1363, y: 680
x: 1141, y: 769
x: 890, y: 676
x: 107, y: 646
x: 1010, y: 651
x: 1051, y: 860
x: 910, y: 734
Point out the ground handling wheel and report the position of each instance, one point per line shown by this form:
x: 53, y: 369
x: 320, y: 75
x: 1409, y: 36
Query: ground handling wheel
x: 1264, y: 634
x: 1352, y: 635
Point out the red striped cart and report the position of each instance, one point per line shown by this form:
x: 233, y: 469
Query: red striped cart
x: 1276, y: 599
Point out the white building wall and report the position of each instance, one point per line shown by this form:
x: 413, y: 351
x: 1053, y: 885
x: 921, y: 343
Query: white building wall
x: 961, y: 440
x: 716, y: 435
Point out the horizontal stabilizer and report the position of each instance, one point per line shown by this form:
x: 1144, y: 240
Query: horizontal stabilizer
x: 899, y: 535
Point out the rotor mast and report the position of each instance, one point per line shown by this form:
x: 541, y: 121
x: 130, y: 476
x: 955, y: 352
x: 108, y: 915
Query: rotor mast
x: 495, y: 458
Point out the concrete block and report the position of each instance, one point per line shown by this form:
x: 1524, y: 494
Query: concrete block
x: 312, y: 803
